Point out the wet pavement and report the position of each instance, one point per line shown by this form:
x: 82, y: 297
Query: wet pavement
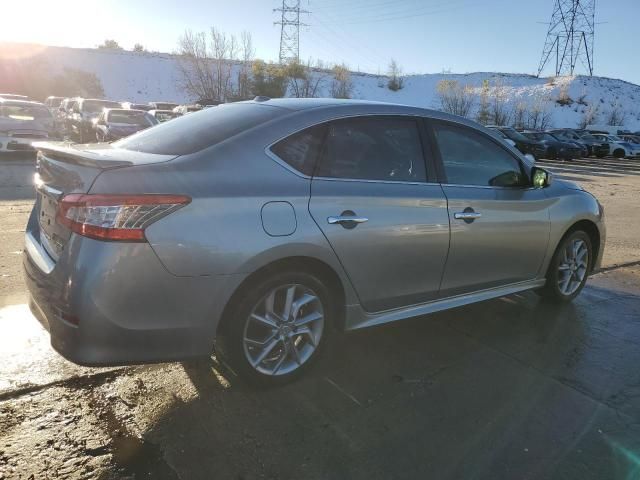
x: 512, y: 388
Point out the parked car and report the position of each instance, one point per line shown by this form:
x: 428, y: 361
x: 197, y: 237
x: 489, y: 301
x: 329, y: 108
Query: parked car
x: 162, y: 105
x: 263, y: 225
x: 113, y: 124
x: 13, y: 96
x: 524, y: 144
x: 22, y: 123
x: 555, y: 148
x: 163, y: 115
x: 595, y: 146
x: 53, y: 103
x: 83, y: 113
x: 619, y: 147
x: 608, y: 129
x: 633, y: 139
x: 184, y: 109
x: 135, y: 106
x: 506, y: 139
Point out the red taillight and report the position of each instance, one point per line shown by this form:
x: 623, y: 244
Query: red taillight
x: 115, y: 217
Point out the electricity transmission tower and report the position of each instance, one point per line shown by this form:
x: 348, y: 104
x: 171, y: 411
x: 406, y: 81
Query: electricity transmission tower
x: 570, y: 36
x: 290, y: 30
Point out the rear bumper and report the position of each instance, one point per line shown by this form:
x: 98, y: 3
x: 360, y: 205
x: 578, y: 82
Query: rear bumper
x: 108, y: 303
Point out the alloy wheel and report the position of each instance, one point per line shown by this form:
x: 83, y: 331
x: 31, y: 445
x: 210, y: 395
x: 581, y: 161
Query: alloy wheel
x: 573, y: 266
x: 283, y: 330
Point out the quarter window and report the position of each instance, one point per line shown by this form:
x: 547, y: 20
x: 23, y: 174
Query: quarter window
x: 471, y: 159
x: 373, y: 148
x: 301, y: 149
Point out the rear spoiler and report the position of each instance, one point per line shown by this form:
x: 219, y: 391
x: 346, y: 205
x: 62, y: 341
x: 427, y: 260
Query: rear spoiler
x: 99, y: 155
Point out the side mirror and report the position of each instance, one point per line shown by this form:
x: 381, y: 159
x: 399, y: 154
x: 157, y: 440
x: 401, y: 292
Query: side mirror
x: 540, y: 178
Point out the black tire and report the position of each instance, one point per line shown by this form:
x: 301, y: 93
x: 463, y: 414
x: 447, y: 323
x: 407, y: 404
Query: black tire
x: 551, y: 290
x: 230, y: 340
x: 618, y: 153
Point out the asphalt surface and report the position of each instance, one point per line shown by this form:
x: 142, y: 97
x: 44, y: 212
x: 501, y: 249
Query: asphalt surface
x: 512, y: 388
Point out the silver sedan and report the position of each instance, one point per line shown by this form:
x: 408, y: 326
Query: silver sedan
x: 259, y: 228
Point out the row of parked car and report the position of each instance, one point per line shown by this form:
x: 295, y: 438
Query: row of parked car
x: 88, y: 119
x: 24, y: 121
x: 570, y: 143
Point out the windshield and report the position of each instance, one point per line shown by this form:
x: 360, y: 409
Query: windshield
x: 121, y: 117
x: 96, y: 106
x: 24, y: 112
x: 588, y: 136
x: 192, y: 133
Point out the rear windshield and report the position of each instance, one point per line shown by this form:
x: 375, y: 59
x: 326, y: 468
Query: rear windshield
x: 165, y: 106
x: 24, y: 112
x: 96, y: 106
x: 195, y: 132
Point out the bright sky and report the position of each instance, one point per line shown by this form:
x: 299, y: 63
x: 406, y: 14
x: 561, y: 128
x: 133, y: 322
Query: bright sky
x: 424, y: 36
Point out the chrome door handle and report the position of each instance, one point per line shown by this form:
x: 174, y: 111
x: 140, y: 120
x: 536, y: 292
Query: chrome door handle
x: 466, y: 215
x: 346, y: 219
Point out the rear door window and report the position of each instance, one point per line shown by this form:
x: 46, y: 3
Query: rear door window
x: 301, y: 150
x: 383, y: 148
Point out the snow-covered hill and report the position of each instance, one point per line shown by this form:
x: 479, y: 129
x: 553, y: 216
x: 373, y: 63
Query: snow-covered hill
x: 152, y: 76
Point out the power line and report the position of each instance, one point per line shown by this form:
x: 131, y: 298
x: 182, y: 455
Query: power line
x: 570, y: 36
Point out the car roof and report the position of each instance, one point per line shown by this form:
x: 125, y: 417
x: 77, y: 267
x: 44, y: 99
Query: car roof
x: 10, y: 101
x: 343, y: 106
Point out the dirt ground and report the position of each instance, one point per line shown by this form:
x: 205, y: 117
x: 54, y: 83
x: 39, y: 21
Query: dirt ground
x: 512, y: 388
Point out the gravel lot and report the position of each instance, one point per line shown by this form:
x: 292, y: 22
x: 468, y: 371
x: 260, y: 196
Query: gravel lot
x: 512, y: 388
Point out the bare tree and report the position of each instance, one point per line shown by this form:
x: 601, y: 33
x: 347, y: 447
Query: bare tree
x: 138, y: 47
x: 206, y: 63
x: 589, y: 116
x: 455, y: 98
x: 341, y: 86
x: 520, y: 114
x: 616, y: 115
x: 539, y: 116
x: 396, y: 81
x: 247, y: 52
x: 483, y: 116
x: 499, y: 108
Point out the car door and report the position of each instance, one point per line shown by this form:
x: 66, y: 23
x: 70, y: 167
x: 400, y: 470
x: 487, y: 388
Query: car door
x: 387, y: 224
x: 499, y: 222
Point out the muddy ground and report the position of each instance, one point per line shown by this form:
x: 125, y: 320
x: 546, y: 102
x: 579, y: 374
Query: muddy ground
x: 512, y: 388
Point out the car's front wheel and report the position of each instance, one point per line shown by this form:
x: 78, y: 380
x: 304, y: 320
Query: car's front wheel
x: 569, y: 268
x: 278, y: 328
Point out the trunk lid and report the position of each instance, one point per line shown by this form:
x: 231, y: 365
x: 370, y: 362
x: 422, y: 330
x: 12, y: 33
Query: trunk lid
x: 64, y: 168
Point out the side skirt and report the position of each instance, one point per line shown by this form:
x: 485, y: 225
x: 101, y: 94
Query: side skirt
x: 358, y: 318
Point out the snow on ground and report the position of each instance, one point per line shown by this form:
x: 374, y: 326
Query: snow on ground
x: 155, y: 76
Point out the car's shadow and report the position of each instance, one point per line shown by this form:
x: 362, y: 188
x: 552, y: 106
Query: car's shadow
x: 508, y: 388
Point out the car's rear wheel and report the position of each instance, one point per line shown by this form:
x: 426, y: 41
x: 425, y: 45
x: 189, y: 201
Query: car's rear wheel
x: 569, y: 267
x: 618, y: 153
x: 278, y: 328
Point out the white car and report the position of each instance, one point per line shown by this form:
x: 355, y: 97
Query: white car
x: 619, y: 147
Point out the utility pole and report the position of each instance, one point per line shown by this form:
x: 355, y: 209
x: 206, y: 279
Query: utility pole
x: 570, y: 36
x: 290, y: 30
